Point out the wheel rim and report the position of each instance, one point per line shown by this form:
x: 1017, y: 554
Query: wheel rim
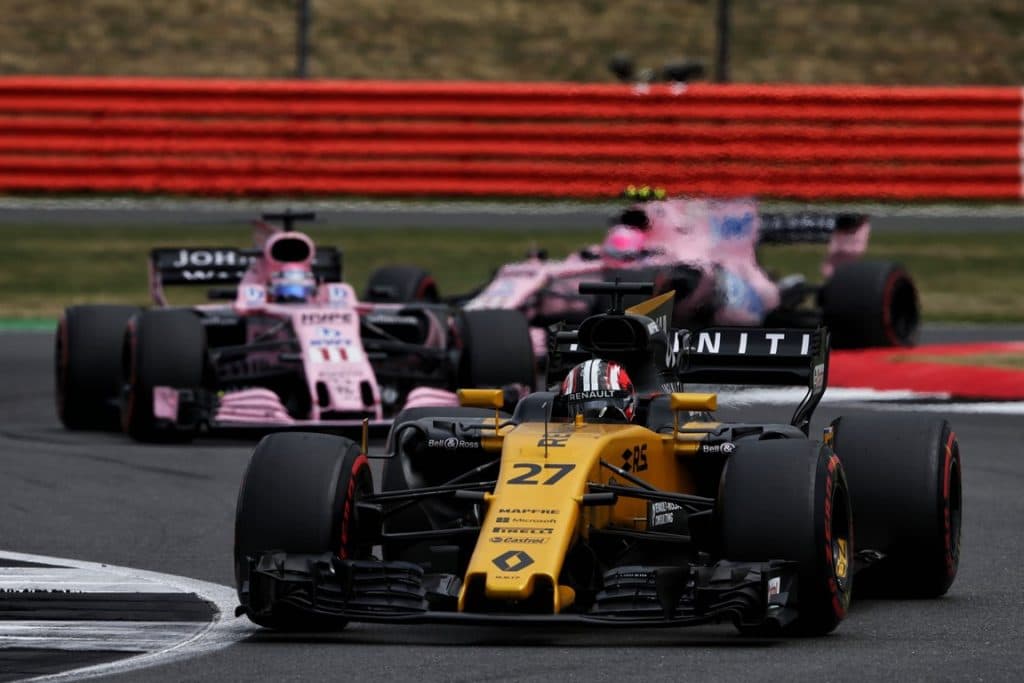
x: 841, y: 544
x: 841, y: 561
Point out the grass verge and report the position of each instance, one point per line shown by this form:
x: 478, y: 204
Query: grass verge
x: 807, y: 41
x: 1008, y: 361
x: 961, y: 277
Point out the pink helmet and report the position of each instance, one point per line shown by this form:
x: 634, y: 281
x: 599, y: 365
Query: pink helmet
x: 623, y: 244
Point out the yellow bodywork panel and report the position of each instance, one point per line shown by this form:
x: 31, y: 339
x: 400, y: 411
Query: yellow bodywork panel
x: 535, y: 515
x: 650, y: 305
x: 690, y: 435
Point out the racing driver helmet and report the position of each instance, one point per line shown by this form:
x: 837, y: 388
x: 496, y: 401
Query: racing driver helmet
x: 600, y: 391
x: 623, y: 245
x: 294, y: 283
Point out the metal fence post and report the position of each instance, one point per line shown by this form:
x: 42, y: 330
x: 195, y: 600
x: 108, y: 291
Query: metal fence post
x: 302, y: 39
x: 722, y: 32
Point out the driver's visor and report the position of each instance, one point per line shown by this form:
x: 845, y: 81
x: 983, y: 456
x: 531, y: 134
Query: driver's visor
x: 594, y: 404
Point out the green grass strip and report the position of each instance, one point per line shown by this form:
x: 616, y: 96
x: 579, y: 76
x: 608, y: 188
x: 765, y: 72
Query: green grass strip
x: 27, y: 325
x: 1009, y: 360
x: 967, y: 277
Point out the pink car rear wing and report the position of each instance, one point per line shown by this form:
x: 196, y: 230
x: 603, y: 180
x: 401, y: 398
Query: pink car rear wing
x: 221, y: 266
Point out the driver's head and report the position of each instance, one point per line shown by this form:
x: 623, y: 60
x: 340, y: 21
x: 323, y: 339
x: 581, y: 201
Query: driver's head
x: 600, y: 391
x: 623, y: 245
x: 294, y: 283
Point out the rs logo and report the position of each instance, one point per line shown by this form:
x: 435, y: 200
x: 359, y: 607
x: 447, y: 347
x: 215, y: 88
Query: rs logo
x: 635, y: 458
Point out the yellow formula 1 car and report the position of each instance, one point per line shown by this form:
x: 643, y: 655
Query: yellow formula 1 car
x: 616, y: 500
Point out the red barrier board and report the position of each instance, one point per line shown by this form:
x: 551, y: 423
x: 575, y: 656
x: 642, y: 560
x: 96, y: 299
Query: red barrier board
x: 195, y: 136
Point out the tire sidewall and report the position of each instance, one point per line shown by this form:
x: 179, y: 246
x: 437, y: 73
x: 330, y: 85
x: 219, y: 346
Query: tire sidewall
x: 788, y: 499
x: 87, y: 359
x: 833, y: 535
x: 496, y: 349
x: 290, y: 506
x: 859, y: 305
x: 906, y: 481
x: 153, y: 357
x: 951, y: 500
x: 62, y: 373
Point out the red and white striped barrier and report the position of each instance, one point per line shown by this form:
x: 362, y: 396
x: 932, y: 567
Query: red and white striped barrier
x: 225, y: 137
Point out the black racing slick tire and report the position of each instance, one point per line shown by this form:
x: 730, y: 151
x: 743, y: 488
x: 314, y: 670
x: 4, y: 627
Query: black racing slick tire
x: 87, y: 365
x: 871, y: 303
x: 299, y: 495
x: 161, y: 348
x: 401, y: 284
x: 787, y: 499
x: 906, y: 484
x: 496, y: 350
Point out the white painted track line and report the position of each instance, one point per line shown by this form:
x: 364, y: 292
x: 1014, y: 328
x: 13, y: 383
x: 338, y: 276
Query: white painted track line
x: 735, y: 396
x: 71, y: 580
x: 194, y: 639
x: 738, y: 397
x: 126, y: 636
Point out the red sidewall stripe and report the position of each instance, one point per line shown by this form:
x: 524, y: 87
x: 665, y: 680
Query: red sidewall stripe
x: 346, y: 509
x: 951, y: 549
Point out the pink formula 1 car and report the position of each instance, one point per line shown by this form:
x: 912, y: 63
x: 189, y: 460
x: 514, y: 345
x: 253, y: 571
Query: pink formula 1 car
x: 705, y: 250
x: 294, y: 347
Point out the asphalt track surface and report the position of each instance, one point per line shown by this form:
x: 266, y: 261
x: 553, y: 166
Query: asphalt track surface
x: 384, y: 214
x: 99, y: 497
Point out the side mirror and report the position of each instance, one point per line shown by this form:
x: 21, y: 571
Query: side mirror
x: 685, y: 401
x: 482, y: 398
x: 697, y: 402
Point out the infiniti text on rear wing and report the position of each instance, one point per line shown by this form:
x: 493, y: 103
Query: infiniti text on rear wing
x: 757, y: 356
